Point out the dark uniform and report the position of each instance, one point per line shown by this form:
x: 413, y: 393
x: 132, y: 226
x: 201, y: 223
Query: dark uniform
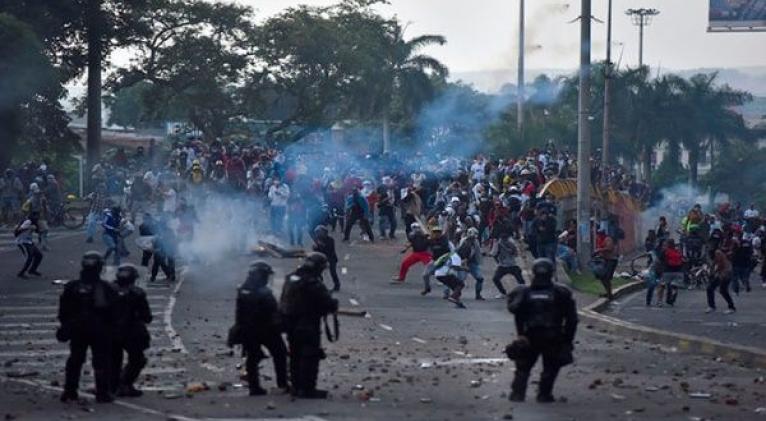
x: 546, y: 322
x: 132, y: 314
x: 86, y: 313
x: 304, y: 302
x: 325, y: 244
x: 258, y: 320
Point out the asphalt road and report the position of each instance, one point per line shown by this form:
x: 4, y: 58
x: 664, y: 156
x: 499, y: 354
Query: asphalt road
x: 745, y: 327
x: 414, y: 358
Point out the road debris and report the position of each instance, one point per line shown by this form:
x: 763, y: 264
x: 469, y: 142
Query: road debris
x: 21, y: 374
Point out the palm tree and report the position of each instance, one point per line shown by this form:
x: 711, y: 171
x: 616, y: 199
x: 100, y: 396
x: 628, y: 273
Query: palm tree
x: 705, y: 116
x: 406, y: 79
x: 641, y: 116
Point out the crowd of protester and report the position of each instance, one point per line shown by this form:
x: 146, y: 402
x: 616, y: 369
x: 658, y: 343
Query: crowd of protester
x: 455, y: 212
x: 718, y: 250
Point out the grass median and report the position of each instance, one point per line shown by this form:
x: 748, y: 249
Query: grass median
x: 588, y: 284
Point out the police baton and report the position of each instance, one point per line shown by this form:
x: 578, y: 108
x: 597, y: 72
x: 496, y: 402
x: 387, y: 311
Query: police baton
x: 332, y: 337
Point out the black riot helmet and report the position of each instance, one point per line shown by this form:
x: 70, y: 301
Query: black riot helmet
x: 321, y: 231
x: 315, y: 262
x: 258, y: 275
x: 92, y: 263
x: 542, y: 272
x: 127, y: 274
x: 260, y: 267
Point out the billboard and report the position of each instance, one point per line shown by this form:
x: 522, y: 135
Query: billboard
x: 737, y: 15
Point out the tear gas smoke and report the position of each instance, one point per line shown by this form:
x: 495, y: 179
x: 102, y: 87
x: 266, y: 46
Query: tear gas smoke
x: 227, y: 225
x: 675, y: 203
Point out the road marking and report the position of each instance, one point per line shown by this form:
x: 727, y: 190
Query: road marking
x: 34, y: 354
x: 28, y: 316
x: 174, y: 337
x: 213, y: 368
x: 29, y: 308
x: 14, y: 328
x: 49, y: 316
x: 89, y: 374
x: 427, y: 363
x: 27, y: 325
x: 11, y: 246
x: 138, y: 408
x: 26, y: 332
x: 64, y: 352
x: 163, y: 361
x: 162, y: 370
x: 31, y: 342
x: 303, y: 418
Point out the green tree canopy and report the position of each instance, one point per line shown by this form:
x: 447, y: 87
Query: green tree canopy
x: 32, y: 122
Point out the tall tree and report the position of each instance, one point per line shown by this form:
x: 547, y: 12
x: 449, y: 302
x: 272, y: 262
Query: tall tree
x: 30, y: 88
x: 192, y: 59
x: 307, y: 55
x: 705, y: 115
x: 79, y: 36
x: 406, y: 80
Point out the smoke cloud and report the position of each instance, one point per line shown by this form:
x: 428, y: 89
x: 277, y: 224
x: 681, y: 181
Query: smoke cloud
x: 674, y: 204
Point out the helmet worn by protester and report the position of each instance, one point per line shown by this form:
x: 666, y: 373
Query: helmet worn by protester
x: 127, y: 273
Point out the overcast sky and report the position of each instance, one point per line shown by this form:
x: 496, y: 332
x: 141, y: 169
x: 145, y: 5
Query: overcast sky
x: 482, y: 34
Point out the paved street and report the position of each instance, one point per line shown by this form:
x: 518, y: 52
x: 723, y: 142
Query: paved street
x: 413, y: 358
x: 8, y: 241
x: 745, y: 327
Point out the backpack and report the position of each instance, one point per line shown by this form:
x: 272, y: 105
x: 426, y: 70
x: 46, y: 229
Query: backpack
x: 674, y: 258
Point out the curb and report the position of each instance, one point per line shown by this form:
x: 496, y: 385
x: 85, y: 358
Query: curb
x: 679, y: 342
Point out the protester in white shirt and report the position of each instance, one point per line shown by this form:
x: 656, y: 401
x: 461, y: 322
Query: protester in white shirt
x: 278, y: 195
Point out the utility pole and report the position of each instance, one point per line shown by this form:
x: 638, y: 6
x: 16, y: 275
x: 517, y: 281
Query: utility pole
x: 583, y: 140
x: 641, y: 18
x: 95, y: 56
x: 607, y: 91
x: 520, y: 93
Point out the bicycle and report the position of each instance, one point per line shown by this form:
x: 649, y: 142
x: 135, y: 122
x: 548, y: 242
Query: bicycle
x: 71, y: 214
x: 698, y: 275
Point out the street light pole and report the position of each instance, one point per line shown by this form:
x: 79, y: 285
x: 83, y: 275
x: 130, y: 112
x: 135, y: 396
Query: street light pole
x: 607, y: 90
x: 641, y: 18
x: 520, y: 92
x: 583, y: 141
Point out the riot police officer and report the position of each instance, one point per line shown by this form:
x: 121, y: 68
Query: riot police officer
x: 132, y: 314
x: 304, y: 302
x: 257, y: 318
x: 86, y: 314
x: 325, y: 244
x: 546, y: 322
